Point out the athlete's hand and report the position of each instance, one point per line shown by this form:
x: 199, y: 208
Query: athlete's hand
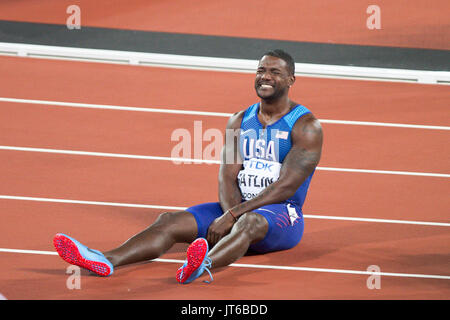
x: 220, y: 228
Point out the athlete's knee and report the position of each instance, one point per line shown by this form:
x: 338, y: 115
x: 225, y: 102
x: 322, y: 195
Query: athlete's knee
x: 253, y: 224
x: 180, y: 225
x: 166, y: 218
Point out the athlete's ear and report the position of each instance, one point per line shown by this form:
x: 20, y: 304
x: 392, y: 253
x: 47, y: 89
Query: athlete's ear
x: 291, y: 80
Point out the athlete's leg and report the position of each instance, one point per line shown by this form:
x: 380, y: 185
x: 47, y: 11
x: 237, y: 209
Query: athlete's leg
x: 270, y: 228
x: 168, y: 229
x: 250, y: 228
x: 267, y: 229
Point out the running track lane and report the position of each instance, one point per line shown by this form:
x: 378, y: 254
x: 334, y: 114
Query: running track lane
x: 139, y: 181
x: 136, y: 133
x: 137, y: 86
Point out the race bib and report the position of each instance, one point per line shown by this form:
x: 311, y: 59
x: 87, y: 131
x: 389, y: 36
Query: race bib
x: 257, y: 175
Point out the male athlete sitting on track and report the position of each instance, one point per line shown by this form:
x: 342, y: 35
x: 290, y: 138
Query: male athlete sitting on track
x: 261, y: 193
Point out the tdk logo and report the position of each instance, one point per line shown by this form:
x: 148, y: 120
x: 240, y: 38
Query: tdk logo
x: 258, y: 165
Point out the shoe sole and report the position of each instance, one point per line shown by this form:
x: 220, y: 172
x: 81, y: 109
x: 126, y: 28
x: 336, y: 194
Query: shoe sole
x: 69, y: 252
x: 193, y: 262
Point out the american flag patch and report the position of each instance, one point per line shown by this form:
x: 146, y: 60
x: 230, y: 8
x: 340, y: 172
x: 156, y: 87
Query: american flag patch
x: 281, y: 134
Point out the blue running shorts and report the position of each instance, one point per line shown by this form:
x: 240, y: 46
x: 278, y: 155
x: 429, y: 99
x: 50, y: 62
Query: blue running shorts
x: 285, y: 224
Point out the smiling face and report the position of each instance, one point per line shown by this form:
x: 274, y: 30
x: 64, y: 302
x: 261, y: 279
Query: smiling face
x: 273, y: 78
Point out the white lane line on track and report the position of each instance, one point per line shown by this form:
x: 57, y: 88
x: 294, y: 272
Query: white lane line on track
x: 271, y: 267
x: 206, y: 113
x: 220, y: 64
x: 206, y: 161
x: 160, y: 207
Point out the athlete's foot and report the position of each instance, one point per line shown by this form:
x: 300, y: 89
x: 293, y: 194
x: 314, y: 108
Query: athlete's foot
x: 78, y: 254
x: 196, y: 263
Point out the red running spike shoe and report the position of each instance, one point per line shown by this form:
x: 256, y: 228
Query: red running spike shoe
x: 78, y: 254
x: 196, y: 263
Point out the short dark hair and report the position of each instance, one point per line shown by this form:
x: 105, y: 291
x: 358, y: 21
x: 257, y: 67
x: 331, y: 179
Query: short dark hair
x: 283, y: 55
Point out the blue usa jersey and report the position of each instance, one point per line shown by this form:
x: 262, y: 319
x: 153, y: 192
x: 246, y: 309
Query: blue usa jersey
x: 263, y: 151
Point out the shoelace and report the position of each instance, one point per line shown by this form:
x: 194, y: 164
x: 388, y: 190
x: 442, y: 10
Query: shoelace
x: 207, y: 264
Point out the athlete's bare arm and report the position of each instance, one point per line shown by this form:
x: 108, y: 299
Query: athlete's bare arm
x: 231, y: 164
x: 229, y: 192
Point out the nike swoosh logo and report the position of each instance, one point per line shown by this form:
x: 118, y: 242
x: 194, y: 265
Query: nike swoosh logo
x: 246, y: 131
